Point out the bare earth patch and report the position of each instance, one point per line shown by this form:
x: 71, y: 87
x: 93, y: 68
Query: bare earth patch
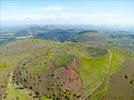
x: 70, y: 77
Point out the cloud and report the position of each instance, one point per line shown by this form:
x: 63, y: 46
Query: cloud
x: 106, y: 14
x: 58, y: 15
x: 52, y: 8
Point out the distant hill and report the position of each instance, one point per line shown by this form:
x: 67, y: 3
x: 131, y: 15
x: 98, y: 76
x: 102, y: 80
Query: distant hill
x: 119, y: 39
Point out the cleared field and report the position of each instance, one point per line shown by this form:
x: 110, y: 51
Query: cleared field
x: 122, y: 82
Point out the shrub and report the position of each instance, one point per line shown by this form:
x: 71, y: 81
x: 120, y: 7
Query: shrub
x: 126, y: 77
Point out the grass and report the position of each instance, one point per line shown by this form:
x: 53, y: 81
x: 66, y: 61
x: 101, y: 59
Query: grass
x: 13, y: 52
x: 117, y: 60
x: 42, y: 64
x: 62, y: 60
x: 12, y: 93
x: 3, y: 65
x: 93, y: 70
x: 45, y: 98
x: 102, y: 91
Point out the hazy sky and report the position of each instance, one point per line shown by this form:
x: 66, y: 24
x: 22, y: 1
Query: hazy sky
x: 94, y: 12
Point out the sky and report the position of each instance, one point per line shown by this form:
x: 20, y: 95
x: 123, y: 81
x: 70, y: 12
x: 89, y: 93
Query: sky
x: 92, y: 12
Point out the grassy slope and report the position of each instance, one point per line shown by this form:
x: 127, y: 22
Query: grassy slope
x: 16, y: 94
x: 15, y: 51
x: 116, y: 62
x: 91, y: 70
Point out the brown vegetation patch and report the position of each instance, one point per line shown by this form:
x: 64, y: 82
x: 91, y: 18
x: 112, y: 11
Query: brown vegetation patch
x: 70, y: 77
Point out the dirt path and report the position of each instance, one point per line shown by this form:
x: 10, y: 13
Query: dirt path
x: 120, y: 87
x: 10, y: 80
